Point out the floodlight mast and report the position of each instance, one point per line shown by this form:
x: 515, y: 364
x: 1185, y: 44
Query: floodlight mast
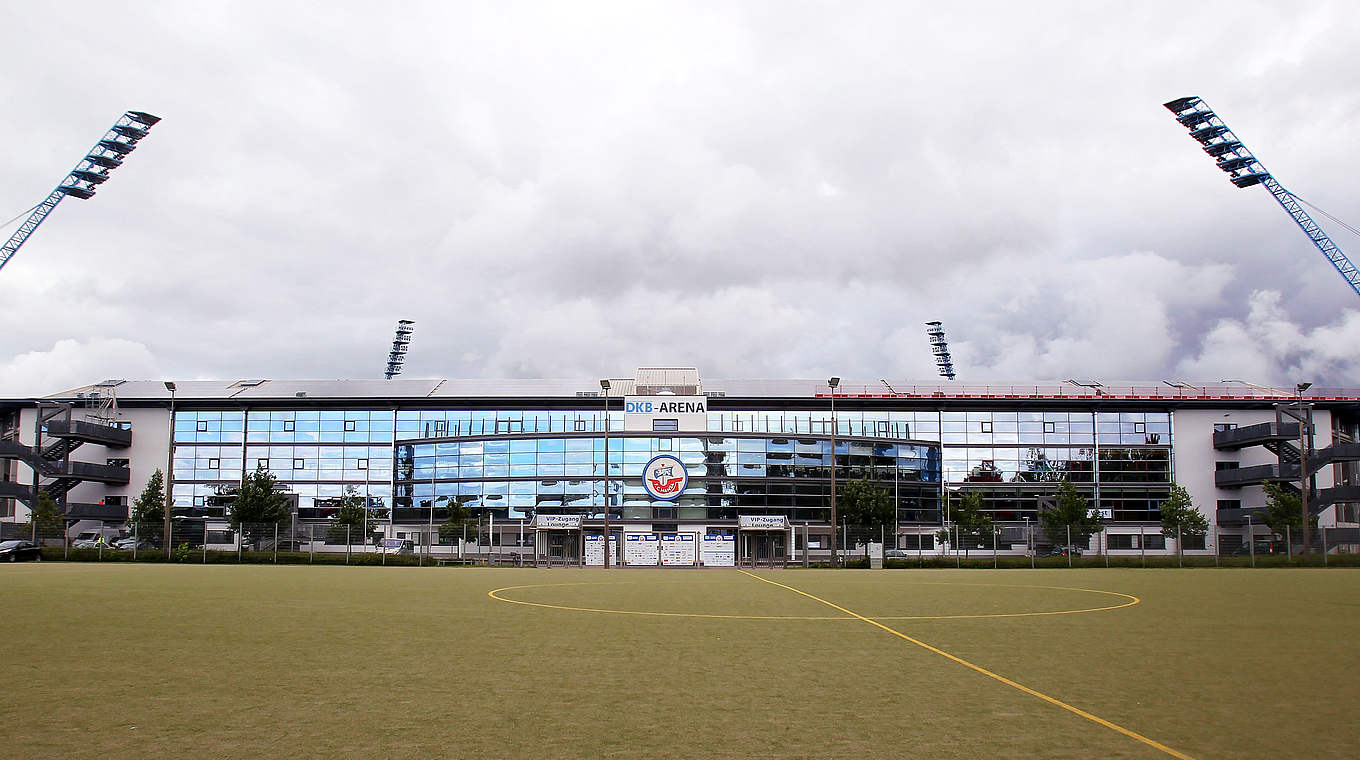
x: 92, y: 170
x: 1244, y: 170
x: 400, y: 343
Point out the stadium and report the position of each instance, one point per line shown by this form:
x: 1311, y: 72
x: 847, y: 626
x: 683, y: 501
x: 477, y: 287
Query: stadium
x: 540, y: 465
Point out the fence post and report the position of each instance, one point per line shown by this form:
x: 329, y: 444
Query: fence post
x: 994, y: 547
x: 311, y: 543
x: 276, y: 543
x: 957, y: 561
x: 99, y: 544
x: 1142, y: 548
x: 205, y: 543
x: 1104, y: 540
x: 1215, y: 545
x: 1289, y: 544
x: 65, y: 539
x: 1178, y: 547
x: 1068, y: 552
x: 347, y: 544
x: 1323, y: 531
x: 135, y: 540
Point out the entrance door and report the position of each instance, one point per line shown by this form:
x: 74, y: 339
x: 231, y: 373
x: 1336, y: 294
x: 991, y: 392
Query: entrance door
x: 763, y: 548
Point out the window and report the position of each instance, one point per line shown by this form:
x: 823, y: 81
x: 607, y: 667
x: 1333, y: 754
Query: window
x: 115, y: 501
x: 1121, y: 541
x: 1219, y: 427
x: 1050, y: 427
x: 1192, y: 542
x: 298, y: 464
x: 1220, y: 466
x: 218, y: 537
x: 1140, y: 427
x: 666, y: 426
x: 123, y: 424
x: 288, y: 426
x: 362, y: 464
x: 1229, y: 503
x: 986, y: 427
x: 663, y: 444
x: 262, y: 463
x: 580, y: 426
x: 202, y: 426
x: 349, y: 426
x: 116, y: 462
x: 1154, y: 541
x: 214, y: 464
x: 199, y: 500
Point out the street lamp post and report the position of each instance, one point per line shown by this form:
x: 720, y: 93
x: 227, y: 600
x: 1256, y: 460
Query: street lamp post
x: 169, y: 465
x: 1305, y: 441
x: 833, y: 382
x: 604, y: 386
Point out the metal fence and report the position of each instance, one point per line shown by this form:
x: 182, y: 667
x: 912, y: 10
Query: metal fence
x: 802, y: 545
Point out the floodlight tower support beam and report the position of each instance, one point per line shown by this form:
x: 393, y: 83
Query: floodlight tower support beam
x: 82, y: 181
x: 1244, y: 170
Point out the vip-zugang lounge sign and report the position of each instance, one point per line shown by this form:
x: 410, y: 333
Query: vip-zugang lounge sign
x: 664, y: 478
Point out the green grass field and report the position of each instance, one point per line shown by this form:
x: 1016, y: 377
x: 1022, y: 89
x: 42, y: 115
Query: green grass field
x: 174, y: 660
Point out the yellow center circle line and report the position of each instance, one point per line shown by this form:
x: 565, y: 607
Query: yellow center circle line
x: 1131, y: 600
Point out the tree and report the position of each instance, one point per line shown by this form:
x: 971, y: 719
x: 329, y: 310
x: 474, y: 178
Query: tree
x: 454, y: 527
x: 969, y: 520
x: 44, y: 515
x: 1070, y: 511
x: 351, y: 516
x: 259, y: 500
x: 1284, y: 511
x: 863, y: 503
x: 150, y: 506
x: 1180, y: 517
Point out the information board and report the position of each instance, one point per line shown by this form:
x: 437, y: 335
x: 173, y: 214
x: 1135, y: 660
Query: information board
x: 679, y: 549
x: 719, y: 551
x: 594, y: 554
x: 641, y: 549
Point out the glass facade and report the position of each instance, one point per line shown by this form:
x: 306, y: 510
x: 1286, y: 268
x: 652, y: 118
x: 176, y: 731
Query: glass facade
x: 515, y: 462
x: 517, y: 476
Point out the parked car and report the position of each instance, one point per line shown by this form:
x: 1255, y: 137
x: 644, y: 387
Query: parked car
x: 1063, y: 551
x: 128, y: 543
x: 19, y: 551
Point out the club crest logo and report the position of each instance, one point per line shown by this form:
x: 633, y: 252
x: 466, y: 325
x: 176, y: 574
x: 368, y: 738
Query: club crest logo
x: 665, y: 478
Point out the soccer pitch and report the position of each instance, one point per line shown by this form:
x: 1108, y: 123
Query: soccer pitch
x: 126, y: 660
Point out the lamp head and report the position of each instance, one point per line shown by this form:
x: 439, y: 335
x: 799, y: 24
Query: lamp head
x: 1301, y: 387
x: 604, y: 385
x: 170, y: 386
x: 834, y: 382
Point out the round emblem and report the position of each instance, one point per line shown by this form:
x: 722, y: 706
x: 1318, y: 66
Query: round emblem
x: 665, y: 478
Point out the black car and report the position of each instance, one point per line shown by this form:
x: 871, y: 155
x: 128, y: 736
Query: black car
x: 19, y: 551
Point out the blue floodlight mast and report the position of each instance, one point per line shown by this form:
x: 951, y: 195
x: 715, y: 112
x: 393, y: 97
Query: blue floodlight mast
x: 1244, y: 170
x: 92, y: 171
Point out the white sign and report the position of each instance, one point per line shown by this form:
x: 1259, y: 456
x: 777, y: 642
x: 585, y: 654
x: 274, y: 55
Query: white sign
x: 557, y: 522
x: 641, y: 549
x: 762, y: 522
x: 678, y: 549
x: 665, y: 413
x: 719, y: 551
x: 664, y: 478
x: 1104, y: 514
x: 595, y: 549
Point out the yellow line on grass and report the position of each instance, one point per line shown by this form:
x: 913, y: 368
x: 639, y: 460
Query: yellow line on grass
x: 1021, y: 687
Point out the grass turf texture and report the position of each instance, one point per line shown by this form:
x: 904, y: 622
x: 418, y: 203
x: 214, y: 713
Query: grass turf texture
x: 125, y: 660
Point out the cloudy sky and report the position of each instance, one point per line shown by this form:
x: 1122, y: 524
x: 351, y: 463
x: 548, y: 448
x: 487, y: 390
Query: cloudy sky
x: 765, y: 189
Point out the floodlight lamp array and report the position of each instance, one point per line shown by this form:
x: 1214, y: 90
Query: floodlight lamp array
x: 1218, y: 141
x: 400, y: 342
x: 940, y: 347
x: 107, y: 154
